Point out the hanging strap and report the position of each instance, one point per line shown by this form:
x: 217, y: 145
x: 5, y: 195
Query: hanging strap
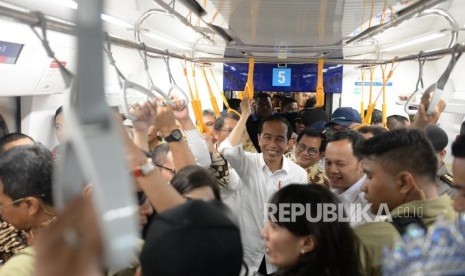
x: 320, y: 96
x: 152, y: 86
x: 450, y: 67
x: 121, y: 77
x: 370, y: 96
x: 210, y: 92
x: 146, y: 65
x: 125, y: 84
x: 362, y: 104
x: 372, y: 105
x: 367, y: 117
x: 223, y: 98
x: 197, y: 105
x: 174, y: 86
x: 385, y: 81
x: 184, y: 71
x: 195, y: 102
x: 249, y: 87
x: 438, y: 92
x: 168, y: 67
x: 421, y: 64
x: 42, y: 23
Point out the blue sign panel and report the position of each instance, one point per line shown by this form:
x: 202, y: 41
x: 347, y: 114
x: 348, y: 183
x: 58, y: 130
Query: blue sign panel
x: 281, y: 76
x: 292, y: 78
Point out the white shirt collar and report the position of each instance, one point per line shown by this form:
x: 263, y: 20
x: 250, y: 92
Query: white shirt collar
x: 351, y: 194
x: 285, y: 166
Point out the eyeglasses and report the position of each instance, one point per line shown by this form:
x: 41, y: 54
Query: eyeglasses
x: 311, y: 151
x: 226, y: 130
x: 11, y: 203
x: 173, y: 171
x: 19, y: 200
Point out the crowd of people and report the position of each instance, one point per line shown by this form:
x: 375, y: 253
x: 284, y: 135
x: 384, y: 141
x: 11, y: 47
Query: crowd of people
x: 274, y: 191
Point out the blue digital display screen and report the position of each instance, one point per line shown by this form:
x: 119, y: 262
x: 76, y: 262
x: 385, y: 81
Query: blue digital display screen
x: 9, y: 52
x: 289, y: 78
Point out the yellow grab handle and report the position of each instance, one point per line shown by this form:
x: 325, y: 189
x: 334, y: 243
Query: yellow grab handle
x: 213, y: 102
x: 362, y: 104
x: 367, y: 119
x: 188, y: 83
x: 384, y: 112
x: 320, y: 96
x: 249, y: 88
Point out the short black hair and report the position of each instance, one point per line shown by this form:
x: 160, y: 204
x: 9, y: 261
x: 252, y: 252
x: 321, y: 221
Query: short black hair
x: 402, y: 150
x: 27, y: 171
x: 354, y: 137
x: 313, y: 133
x: 400, y: 119
x: 437, y: 136
x: 11, y: 137
x: 375, y: 130
x: 261, y: 96
x: 287, y: 100
x: 310, y: 102
x: 276, y: 118
x: 458, y: 147
x: 219, y: 122
x: 192, y: 177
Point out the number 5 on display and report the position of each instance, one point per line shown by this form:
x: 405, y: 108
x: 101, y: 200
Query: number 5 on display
x: 281, y: 76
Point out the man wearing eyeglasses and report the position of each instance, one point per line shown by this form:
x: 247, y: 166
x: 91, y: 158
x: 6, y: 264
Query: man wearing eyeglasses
x: 308, y: 151
x: 222, y: 128
x: 26, y: 199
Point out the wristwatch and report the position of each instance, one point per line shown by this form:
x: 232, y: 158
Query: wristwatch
x: 144, y: 169
x: 175, y: 136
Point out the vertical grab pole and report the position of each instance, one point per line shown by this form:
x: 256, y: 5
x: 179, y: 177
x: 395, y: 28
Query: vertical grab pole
x: 93, y: 150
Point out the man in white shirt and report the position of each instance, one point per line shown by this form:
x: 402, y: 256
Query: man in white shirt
x: 345, y: 173
x: 261, y: 175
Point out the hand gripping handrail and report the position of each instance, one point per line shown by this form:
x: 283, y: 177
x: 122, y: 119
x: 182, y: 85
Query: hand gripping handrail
x: 436, y: 90
x: 173, y: 85
x: 126, y: 84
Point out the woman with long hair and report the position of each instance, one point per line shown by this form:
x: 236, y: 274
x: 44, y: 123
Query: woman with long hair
x: 309, y: 243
